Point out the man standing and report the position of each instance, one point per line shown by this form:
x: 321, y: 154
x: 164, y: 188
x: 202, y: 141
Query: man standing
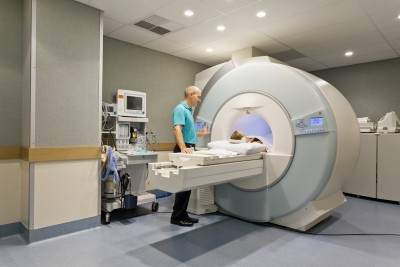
x: 186, y: 139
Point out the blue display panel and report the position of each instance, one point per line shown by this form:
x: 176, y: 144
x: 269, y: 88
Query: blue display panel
x: 316, y: 121
x: 200, y: 125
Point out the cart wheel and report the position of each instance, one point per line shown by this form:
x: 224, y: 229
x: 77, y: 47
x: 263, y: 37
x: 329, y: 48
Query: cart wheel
x: 107, y: 218
x: 154, y: 206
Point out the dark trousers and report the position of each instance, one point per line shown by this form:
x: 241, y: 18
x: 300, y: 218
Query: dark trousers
x: 181, y: 198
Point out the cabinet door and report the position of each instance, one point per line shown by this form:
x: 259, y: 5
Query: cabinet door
x: 363, y: 180
x: 389, y: 167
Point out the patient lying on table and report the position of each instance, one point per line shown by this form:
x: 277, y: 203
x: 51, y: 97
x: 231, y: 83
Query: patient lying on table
x: 236, y: 135
x: 238, y: 144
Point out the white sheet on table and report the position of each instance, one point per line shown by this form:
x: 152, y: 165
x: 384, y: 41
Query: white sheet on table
x: 240, y: 149
x: 217, y: 152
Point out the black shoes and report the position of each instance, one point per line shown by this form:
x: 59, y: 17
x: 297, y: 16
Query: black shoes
x: 193, y: 220
x: 188, y: 221
x: 182, y: 222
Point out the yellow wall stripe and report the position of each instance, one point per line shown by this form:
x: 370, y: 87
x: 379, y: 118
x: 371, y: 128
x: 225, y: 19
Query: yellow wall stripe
x: 62, y: 153
x: 10, y: 152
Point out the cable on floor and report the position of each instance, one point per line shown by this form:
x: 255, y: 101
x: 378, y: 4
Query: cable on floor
x: 318, y: 234
x: 333, y: 234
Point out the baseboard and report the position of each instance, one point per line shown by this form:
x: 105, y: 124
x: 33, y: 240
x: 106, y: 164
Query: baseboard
x: 60, y: 229
x: 11, y: 229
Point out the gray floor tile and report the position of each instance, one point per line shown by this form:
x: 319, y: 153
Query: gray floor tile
x: 220, y: 241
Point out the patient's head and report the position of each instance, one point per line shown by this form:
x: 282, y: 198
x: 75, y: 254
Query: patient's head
x: 237, y: 135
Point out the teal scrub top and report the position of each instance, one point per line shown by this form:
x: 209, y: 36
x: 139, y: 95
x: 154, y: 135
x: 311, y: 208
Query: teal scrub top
x: 183, y: 115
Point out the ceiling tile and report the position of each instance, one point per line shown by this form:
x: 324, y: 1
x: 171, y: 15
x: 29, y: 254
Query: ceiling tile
x: 175, y: 10
x: 128, y: 11
x: 320, y: 29
x: 387, y: 19
x: 384, y: 13
x: 270, y: 46
x: 343, y: 13
x: 202, y: 33
x: 212, y: 61
x: 392, y: 32
x: 198, y: 54
x: 245, y: 39
x: 110, y: 25
x: 172, y: 26
x: 360, y: 56
x: 321, y: 51
x: 224, y: 48
x: 276, y: 10
x: 306, y: 64
x: 378, y: 6
x: 193, y: 53
x: 226, y: 6
x: 395, y: 43
x: 342, y: 44
x: 133, y: 35
x: 83, y: 1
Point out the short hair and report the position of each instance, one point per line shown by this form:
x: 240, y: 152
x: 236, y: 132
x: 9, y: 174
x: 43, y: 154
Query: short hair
x: 236, y: 135
x: 191, y: 89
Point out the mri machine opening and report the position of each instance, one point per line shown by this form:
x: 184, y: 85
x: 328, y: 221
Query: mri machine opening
x: 254, y: 125
x: 312, y: 134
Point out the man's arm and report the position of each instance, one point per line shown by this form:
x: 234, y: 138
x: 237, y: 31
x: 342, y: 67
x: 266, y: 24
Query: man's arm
x: 179, y: 139
x: 203, y: 132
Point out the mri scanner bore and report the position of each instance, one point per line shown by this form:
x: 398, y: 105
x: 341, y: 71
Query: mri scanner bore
x: 253, y: 127
x: 310, y: 129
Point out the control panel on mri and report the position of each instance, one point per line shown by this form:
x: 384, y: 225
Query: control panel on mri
x: 312, y: 124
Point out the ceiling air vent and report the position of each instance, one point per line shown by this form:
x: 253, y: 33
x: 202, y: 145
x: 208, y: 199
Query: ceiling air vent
x: 145, y: 25
x: 160, y: 30
x: 158, y: 25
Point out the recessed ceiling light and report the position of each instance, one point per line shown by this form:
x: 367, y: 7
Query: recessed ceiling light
x: 261, y: 14
x: 398, y: 16
x: 221, y: 28
x: 209, y: 50
x: 349, y: 53
x: 188, y: 13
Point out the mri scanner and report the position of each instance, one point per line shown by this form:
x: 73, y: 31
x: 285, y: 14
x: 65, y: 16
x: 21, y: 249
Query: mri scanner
x: 312, y: 135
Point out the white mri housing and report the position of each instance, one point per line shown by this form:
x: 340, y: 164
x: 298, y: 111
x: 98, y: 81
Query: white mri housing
x: 315, y: 140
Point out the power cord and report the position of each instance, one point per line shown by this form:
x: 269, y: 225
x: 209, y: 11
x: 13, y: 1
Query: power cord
x: 332, y: 234
x: 359, y: 234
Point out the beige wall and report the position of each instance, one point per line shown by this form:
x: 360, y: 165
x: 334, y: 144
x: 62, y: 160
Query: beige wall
x: 10, y: 192
x: 65, y: 191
